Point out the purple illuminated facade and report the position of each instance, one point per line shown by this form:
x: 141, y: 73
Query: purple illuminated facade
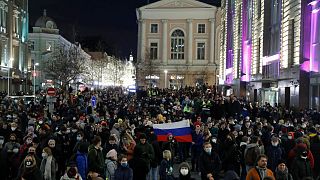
x: 311, y: 50
x: 229, y: 55
x: 246, y: 43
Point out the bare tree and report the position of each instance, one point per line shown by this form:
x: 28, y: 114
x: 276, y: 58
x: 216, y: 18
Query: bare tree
x: 65, y: 64
x: 149, y: 67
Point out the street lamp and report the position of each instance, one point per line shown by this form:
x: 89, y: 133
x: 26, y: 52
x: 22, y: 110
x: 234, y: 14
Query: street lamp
x: 165, y: 78
x: 34, y: 78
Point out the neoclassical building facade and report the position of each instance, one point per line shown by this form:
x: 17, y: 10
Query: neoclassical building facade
x: 177, y: 44
x: 14, y: 51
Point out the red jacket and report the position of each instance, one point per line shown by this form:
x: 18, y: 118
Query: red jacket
x: 293, y: 153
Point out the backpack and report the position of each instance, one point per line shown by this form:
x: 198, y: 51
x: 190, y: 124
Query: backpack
x: 251, y: 155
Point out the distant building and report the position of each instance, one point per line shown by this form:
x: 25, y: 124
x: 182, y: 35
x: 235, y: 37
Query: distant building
x: 44, y: 40
x: 14, y: 52
x: 270, y: 49
x: 178, y: 44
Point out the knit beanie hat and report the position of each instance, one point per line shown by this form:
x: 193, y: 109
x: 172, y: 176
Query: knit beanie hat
x: 184, y: 164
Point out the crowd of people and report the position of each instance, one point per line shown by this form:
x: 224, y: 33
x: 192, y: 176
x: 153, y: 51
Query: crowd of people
x: 111, y: 137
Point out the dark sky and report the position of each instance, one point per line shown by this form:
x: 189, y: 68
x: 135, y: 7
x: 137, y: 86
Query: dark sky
x: 112, y: 20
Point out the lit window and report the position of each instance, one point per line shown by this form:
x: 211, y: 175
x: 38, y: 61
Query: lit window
x: 201, y: 51
x: 201, y: 28
x: 153, y: 51
x: 177, y: 44
x: 154, y: 28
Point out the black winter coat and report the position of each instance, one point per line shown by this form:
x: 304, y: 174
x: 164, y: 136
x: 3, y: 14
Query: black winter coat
x: 301, y: 168
x: 209, y: 164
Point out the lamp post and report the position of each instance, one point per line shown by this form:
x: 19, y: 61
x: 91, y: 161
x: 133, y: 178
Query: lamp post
x: 165, y: 78
x: 34, y: 78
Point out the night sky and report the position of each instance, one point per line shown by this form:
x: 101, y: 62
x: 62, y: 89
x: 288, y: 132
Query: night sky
x: 112, y: 21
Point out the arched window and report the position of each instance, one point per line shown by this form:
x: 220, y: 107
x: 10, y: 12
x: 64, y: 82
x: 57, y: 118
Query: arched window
x: 177, y: 44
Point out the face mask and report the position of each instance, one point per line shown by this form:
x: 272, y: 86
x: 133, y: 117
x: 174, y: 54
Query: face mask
x: 15, y: 150
x: 124, y: 164
x: 208, y: 150
x: 249, y: 132
x: 13, y: 128
x: 31, y: 153
x: 28, y: 163
x: 44, y: 155
x: 289, y: 137
x: 1, y: 141
x: 274, y: 143
x: 79, y: 138
x: 184, y: 172
x: 68, y: 131
x: 74, y: 130
x: 214, y: 140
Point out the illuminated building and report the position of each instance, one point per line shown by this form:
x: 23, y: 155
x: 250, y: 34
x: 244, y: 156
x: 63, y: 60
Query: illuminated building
x: 269, y: 49
x: 177, y: 44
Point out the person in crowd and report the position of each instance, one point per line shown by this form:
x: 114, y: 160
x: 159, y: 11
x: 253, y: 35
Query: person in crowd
x: 251, y: 153
x: 166, y: 167
x: 123, y: 171
x: 48, y: 165
x: 112, y: 144
x: 29, y: 170
x: 301, y: 165
x: 185, y: 171
x: 231, y: 156
x: 274, y: 153
x: 111, y: 164
x: 80, y: 141
x: 71, y: 173
x: 260, y: 171
x: 197, y: 142
x: 95, y: 158
x: 10, y: 153
x: 143, y: 154
x: 82, y: 161
x: 282, y: 171
x: 209, y: 163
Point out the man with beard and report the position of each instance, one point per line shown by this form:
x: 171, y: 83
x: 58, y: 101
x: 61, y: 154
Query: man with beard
x: 260, y: 171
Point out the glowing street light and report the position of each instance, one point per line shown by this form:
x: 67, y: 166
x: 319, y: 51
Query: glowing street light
x: 34, y: 78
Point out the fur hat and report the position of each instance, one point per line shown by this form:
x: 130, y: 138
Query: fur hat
x: 112, y: 153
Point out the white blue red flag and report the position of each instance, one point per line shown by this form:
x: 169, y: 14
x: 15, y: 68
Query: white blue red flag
x: 180, y: 130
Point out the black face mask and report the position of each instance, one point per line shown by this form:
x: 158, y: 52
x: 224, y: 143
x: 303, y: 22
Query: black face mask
x: 31, y: 153
x: 28, y: 163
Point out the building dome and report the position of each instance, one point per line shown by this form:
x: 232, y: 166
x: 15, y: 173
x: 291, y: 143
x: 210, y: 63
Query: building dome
x: 45, y: 21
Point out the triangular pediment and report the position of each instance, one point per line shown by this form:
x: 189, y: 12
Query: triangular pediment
x: 170, y: 4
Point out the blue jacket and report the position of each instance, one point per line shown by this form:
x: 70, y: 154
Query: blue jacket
x: 123, y: 173
x: 82, y: 164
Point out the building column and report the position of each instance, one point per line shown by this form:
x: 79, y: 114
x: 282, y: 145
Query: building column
x: 164, y: 41
x: 212, y: 41
x: 190, y: 41
x: 142, y: 46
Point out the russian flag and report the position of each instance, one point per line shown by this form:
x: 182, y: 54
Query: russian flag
x: 180, y: 130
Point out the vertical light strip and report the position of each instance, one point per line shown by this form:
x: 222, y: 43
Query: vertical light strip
x: 314, y: 44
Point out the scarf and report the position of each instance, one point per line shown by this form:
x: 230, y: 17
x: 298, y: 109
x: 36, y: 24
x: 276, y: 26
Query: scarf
x: 47, y: 169
x: 262, y: 171
x: 282, y: 175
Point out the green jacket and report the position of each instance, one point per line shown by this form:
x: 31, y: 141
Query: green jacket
x: 95, y: 160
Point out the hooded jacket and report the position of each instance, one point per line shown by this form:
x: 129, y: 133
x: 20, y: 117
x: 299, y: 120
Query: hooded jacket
x: 95, y: 160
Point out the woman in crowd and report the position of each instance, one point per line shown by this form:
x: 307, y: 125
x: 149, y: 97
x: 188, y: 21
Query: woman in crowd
x: 48, y: 165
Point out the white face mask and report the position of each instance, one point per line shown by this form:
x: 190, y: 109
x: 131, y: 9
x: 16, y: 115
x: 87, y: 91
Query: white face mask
x: 13, y: 128
x: 274, y: 143
x: 79, y: 138
x: 184, y: 171
x: 1, y: 141
x: 15, y: 150
x: 289, y: 137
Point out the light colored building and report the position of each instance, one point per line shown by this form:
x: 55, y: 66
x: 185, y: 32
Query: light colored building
x: 14, y: 52
x: 45, y: 39
x: 265, y: 56
x: 178, y: 44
